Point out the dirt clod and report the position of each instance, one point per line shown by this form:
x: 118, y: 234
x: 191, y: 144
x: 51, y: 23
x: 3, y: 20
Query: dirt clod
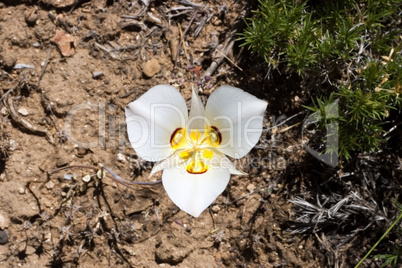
x: 151, y: 67
x: 7, y: 59
x: 65, y: 43
x: 172, y: 249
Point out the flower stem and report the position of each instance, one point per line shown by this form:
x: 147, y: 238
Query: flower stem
x: 379, y: 240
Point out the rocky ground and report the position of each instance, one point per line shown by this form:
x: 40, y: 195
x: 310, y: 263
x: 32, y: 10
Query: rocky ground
x: 67, y: 70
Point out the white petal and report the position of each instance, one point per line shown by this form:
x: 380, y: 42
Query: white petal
x: 196, y: 119
x: 226, y: 163
x: 238, y: 115
x: 152, y: 119
x: 193, y: 193
x: 220, y: 160
x: 169, y: 162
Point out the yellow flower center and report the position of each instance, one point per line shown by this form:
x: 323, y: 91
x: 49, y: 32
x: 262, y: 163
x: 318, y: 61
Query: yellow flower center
x: 196, y: 147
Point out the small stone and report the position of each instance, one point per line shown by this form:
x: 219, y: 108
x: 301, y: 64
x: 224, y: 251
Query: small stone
x: 30, y: 250
x: 4, y: 222
x: 49, y: 185
x: 4, y: 111
x: 121, y: 158
x: 3, y: 237
x: 48, y: 203
x: 31, y: 17
x: 215, y: 208
x: 81, y: 151
x: 23, y: 111
x: 18, y: 169
x: 19, y: 66
x: 96, y: 75
x: 61, y: 162
x: 68, y: 177
x: 151, y: 67
x: 251, y: 187
x: 86, y: 178
x: 12, y: 146
x: 21, y: 190
x: 100, y: 174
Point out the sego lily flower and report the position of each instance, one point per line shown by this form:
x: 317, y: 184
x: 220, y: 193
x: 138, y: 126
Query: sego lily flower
x: 191, y: 148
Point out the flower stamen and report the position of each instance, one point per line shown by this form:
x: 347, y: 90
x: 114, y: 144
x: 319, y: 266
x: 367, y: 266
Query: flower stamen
x: 196, y: 152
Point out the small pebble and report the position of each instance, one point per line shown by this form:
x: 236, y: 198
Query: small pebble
x: 4, y: 222
x: 68, y: 177
x: 251, y: 187
x: 12, y: 146
x: 36, y: 45
x: 49, y: 185
x: 81, y: 151
x: 18, y: 169
x: 31, y: 17
x: 4, y: 111
x: 215, y: 208
x: 21, y: 190
x: 100, y: 174
x: 96, y: 75
x: 86, y: 178
x: 23, y: 111
x: 121, y: 158
x: 23, y: 66
x: 151, y: 67
x: 61, y: 162
x: 3, y: 237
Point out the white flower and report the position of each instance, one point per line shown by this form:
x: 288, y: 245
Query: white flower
x: 191, y: 148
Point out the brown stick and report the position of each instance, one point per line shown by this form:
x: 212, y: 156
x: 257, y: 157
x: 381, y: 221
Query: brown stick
x: 25, y: 124
x: 45, y: 65
x: 183, y: 36
x: 229, y: 42
x: 114, y: 177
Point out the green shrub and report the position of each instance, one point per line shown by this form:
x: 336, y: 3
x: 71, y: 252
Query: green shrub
x: 357, y: 39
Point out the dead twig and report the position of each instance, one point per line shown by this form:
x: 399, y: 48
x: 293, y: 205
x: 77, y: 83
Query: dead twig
x: 114, y: 176
x: 246, y: 195
x: 136, y: 15
x: 228, y: 45
x: 9, y: 91
x: 121, y: 180
x: 229, y: 42
x: 207, y: 18
x: 108, y: 51
x: 44, y: 99
x: 187, y: 3
x: 232, y: 62
x: 45, y: 65
x: 183, y: 36
x: 25, y: 124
